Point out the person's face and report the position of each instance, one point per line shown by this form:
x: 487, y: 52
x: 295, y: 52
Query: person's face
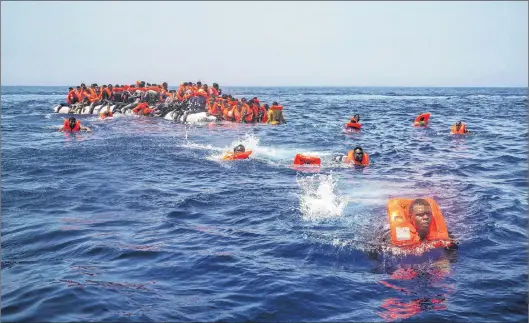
x: 422, y: 215
x: 358, y: 154
x: 72, y: 123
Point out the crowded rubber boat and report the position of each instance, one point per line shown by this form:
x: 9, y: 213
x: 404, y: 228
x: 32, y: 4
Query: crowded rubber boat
x: 190, y: 103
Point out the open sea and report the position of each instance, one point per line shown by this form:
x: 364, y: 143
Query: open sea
x: 140, y: 220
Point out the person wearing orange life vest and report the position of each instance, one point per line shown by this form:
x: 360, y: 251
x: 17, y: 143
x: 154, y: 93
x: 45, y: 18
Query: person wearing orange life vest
x: 414, y: 221
x: 142, y: 109
x: 72, y: 125
x: 275, y: 114
x: 239, y: 152
x: 214, y: 90
x: 106, y: 93
x: 254, y: 105
x: 355, y: 119
x: 357, y: 156
x: 202, y: 91
x: 246, y: 112
x: 107, y: 113
x: 71, y: 98
x: 262, y: 114
x: 93, y: 97
x: 459, y: 129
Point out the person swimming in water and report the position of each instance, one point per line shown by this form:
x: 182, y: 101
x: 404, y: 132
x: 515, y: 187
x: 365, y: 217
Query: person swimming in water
x: 73, y: 125
x: 357, y: 156
x: 459, y: 128
x: 239, y: 152
x: 415, y: 221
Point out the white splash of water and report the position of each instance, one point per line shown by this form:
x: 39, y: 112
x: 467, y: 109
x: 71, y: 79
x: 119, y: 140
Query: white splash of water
x: 318, y: 199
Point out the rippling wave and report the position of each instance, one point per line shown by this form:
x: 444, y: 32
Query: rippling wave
x: 141, y: 220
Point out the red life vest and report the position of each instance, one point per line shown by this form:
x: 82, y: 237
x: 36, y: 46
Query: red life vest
x: 239, y: 155
x: 77, y: 126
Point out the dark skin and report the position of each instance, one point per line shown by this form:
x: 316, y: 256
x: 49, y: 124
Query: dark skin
x: 358, y: 155
x: 421, y: 217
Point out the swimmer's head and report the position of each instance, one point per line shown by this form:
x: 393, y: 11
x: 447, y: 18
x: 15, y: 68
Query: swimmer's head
x: 358, y: 154
x: 71, y: 122
x: 239, y: 149
x: 421, y: 214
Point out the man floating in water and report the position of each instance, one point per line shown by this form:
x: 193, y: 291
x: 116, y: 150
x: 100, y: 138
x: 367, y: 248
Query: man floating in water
x: 414, y: 222
x: 73, y: 125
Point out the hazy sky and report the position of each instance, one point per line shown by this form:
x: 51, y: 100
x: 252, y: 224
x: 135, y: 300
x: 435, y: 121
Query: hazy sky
x: 266, y: 43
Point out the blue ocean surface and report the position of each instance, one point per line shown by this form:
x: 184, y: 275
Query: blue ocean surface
x: 141, y: 220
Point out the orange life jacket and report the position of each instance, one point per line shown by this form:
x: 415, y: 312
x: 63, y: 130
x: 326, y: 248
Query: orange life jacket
x: 105, y: 114
x: 81, y: 94
x: 107, y: 90
x: 202, y: 92
x: 264, y: 119
x: 214, y: 109
x: 66, y: 125
x: 255, y: 109
x: 237, y: 110
x: 404, y: 233
x: 301, y: 159
x: 276, y: 107
x: 351, y: 159
x: 353, y: 124
x: 213, y: 91
x: 232, y: 156
x: 229, y: 113
x: 142, y: 106
x: 247, y: 113
x: 92, y: 96
x: 70, y: 96
x: 461, y: 131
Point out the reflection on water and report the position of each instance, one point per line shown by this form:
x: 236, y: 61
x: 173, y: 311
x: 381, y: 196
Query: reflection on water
x: 421, y: 287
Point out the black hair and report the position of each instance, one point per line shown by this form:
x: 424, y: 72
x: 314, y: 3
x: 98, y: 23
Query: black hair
x: 358, y: 148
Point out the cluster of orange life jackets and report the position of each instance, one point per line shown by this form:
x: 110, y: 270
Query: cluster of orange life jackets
x: 239, y: 111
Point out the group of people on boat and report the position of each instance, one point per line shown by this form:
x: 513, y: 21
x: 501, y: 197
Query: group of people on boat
x: 157, y: 100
